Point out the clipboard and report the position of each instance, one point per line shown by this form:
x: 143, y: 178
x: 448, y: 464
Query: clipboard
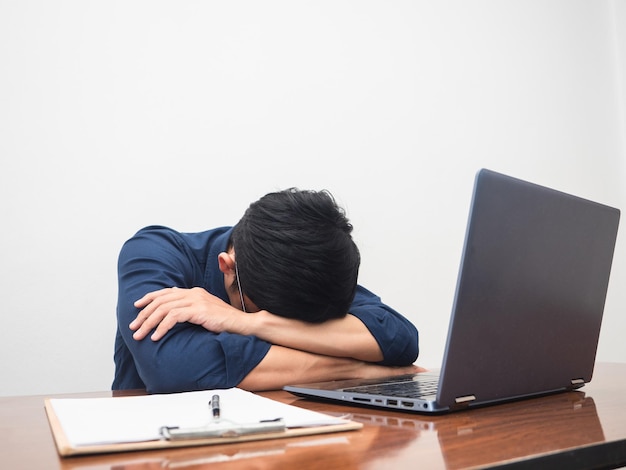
x: 63, y: 428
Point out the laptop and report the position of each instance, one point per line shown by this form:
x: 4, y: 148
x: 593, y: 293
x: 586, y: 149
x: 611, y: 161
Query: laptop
x: 527, y: 309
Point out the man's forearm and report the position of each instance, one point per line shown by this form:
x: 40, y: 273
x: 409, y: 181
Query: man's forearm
x: 345, y: 337
x: 282, y: 366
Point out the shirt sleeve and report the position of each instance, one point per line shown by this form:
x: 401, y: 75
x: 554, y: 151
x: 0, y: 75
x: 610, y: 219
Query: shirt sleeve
x: 397, y: 337
x: 188, y: 357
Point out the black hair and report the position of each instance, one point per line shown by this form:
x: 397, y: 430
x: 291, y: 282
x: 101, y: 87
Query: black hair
x: 295, y: 255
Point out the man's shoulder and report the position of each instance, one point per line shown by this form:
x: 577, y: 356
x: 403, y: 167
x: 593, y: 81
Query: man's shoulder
x: 159, y: 238
x: 154, y: 234
x: 156, y: 230
x: 163, y: 232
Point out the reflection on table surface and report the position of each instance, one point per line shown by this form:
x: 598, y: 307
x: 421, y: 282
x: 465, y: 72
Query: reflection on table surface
x: 475, y: 438
x: 588, y: 425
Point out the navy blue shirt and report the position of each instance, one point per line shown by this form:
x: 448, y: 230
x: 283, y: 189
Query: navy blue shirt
x: 190, y: 357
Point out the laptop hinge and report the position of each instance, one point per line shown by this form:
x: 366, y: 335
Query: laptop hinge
x: 464, y: 400
x: 577, y: 383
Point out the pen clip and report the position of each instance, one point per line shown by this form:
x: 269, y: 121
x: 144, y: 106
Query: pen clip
x: 215, y: 406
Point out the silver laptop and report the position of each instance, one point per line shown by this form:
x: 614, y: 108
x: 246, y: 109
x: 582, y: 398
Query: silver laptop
x: 527, y: 309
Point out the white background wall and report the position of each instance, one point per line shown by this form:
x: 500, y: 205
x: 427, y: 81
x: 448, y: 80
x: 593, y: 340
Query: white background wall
x: 119, y: 114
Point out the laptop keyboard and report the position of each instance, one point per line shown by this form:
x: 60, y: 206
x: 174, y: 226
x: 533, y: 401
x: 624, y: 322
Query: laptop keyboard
x: 408, y: 389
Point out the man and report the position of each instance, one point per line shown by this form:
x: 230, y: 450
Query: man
x: 271, y: 301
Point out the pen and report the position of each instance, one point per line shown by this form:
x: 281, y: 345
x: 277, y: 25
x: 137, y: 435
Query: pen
x: 215, y: 406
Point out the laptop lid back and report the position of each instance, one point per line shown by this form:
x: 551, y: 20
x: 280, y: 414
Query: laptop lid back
x: 530, y: 293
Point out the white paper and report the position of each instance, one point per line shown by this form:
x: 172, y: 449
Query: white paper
x: 96, y: 421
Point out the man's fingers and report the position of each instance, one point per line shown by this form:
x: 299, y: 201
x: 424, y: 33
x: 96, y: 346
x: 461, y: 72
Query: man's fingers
x: 151, y: 296
x: 176, y: 315
x: 165, y: 325
x: 155, y: 315
x: 151, y: 302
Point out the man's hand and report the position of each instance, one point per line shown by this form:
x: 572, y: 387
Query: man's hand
x: 164, y: 308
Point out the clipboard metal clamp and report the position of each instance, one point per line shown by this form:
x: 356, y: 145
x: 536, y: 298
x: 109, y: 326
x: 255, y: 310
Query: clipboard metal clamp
x: 222, y: 428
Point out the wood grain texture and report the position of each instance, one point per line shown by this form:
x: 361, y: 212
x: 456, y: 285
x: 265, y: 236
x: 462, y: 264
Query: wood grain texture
x: 580, y: 429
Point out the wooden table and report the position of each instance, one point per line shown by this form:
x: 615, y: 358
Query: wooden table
x: 581, y: 429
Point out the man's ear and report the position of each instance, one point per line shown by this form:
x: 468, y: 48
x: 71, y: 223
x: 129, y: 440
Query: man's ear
x: 226, y: 263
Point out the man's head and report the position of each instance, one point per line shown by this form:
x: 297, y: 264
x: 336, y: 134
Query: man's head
x: 295, y: 255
